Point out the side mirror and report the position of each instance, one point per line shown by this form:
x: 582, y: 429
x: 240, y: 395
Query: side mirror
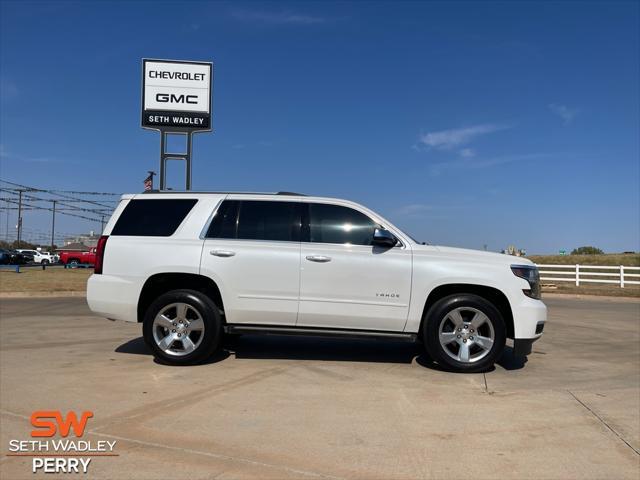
x: 384, y: 238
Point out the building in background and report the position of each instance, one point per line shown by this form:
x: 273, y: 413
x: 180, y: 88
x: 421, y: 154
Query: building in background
x: 87, y: 240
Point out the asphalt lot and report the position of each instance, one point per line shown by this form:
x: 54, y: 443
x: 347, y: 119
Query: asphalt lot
x: 280, y: 407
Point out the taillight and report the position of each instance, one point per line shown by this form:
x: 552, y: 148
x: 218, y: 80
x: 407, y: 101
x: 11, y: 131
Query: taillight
x: 102, y: 243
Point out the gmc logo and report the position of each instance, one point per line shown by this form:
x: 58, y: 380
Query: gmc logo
x: 171, y: 98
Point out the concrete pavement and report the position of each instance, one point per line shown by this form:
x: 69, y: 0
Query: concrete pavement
x: 277, y: 407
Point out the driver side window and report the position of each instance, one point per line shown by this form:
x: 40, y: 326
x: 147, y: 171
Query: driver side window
x: 338, y: 224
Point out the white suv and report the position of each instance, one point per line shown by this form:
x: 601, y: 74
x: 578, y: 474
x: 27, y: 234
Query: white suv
x: 41, y: 257
x: 192, y: 267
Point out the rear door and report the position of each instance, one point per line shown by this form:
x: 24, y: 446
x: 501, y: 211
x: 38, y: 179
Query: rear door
x: 346, y: 282
x: 252, y: 251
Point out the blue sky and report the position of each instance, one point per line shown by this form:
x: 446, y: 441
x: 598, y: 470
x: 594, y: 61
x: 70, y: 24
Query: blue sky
x: 465, y: 123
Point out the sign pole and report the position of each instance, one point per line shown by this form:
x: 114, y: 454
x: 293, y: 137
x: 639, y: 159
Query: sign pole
x: 163, y: 163
x: 164, y: 156
x: 188, y: 160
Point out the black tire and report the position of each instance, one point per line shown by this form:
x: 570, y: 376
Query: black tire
x: 45, y: 262
x: 212, y: 326
x: 441, y: 310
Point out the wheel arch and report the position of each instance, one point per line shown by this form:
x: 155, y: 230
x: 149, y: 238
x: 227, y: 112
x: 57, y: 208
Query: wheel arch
x: 161, y: 283
x: 491, y: 294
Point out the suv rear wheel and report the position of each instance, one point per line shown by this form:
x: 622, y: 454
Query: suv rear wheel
x: 182, y: 327
x: 464, y: 332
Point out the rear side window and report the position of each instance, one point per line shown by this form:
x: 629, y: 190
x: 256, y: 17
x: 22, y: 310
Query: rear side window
x: 257, y: 220
x: 337, y: 224
x: 153, y: 218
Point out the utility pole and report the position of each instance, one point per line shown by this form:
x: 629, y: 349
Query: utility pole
x: 19, y: 226
x: 53, y: 226
x: 6, y: 227
x: 102, y: 225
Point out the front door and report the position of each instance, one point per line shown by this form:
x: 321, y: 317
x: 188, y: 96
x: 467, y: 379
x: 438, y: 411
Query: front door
x: 252, y: 251
x: 345, y: 281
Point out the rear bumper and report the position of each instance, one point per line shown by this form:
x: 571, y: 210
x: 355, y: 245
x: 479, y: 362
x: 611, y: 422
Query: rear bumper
x: 113, y: 297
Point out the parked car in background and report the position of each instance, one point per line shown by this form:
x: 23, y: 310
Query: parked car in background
x: 5, y: 257
x: 76, y: 258
x: 55, y: 258
x: 27, y: 255
x: 36, y: 256
x: 12, y: 257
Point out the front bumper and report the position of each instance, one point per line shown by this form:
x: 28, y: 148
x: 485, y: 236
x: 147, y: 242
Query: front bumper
x: 528, y: 314
x: 522, y: 346
x: 529, y: 318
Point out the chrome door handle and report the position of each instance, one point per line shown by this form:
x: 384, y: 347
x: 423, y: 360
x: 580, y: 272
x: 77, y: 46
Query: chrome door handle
x: 318, y: 258
x: 222, y: 253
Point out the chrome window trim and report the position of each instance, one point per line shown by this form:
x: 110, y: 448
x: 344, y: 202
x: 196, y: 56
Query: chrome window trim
x: 219, y: 239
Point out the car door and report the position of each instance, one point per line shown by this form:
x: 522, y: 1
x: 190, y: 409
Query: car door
x: 252, y: 251
x: 345, y: 281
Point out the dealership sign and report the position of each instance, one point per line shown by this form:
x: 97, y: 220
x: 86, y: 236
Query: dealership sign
x: 176, y: 95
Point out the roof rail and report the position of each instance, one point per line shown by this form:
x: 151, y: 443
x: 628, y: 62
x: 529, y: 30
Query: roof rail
x: 226, y: 192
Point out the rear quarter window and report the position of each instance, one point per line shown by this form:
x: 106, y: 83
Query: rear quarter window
x: 153, y: 218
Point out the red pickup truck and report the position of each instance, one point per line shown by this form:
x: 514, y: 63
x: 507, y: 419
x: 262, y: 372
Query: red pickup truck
x: 75, y: 258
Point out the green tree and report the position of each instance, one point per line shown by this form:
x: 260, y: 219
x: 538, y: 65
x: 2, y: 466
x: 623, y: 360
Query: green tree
x: 587, y: 251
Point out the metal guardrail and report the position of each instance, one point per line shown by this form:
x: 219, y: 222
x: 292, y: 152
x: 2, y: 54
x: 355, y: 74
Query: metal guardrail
x: 612, y: 274
x: 17, y: 268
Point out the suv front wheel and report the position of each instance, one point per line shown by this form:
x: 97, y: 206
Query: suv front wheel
x: 182, y: 327
x: 464, y: 332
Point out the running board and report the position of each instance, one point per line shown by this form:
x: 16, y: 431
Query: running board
x: 321, y: 332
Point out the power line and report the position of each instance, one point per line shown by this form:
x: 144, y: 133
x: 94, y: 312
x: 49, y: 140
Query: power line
x: 62, y: 202
x: 56, y: 193
x: 101, y: 211
x: 34, y: 207
x: 60, y: 191
x: 70, y: 208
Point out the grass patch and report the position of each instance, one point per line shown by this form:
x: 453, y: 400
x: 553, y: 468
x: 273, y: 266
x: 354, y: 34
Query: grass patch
x: 626, y: 259
x: 36, y: 280
x: 608, y: 290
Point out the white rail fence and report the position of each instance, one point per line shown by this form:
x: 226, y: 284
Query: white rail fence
x: 619, y: 274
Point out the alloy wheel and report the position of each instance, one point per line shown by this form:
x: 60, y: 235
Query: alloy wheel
x: 466, y: 334
x: 178, y: 329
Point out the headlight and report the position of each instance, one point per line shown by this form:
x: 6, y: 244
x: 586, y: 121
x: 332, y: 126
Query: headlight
x: 531, y: 275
